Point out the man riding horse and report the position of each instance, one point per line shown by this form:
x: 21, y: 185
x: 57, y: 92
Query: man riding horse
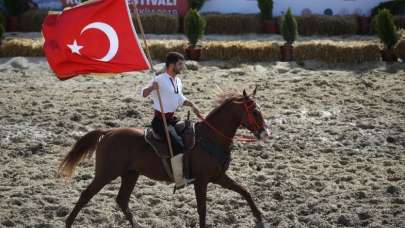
x: 170, y: 88
x: 125, y: 153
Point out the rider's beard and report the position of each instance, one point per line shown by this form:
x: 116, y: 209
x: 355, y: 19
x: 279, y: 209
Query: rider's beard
x: 176, y: 70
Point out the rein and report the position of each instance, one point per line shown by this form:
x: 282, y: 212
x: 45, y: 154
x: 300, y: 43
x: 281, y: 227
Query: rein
x: 241, y: 138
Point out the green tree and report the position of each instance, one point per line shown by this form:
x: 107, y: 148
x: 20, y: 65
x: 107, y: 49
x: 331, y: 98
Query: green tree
x: 289, y: 27
x: 15, y: 7
x: 194, y: 26
x: 266, y: 9
x: 196, y: 4
x: 386, y: 29
x: 396, y: 7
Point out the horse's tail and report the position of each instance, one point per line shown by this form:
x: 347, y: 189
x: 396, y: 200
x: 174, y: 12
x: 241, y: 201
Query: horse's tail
x: 85, y: 146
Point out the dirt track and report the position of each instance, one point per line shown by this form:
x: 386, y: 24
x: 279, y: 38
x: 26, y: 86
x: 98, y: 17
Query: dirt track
x: 337, y: 157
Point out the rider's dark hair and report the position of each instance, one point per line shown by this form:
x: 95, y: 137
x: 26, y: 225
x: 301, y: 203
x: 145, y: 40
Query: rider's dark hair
x: 173, y: 57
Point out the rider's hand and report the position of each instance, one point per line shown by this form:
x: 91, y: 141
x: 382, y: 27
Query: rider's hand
x: 155, y: 86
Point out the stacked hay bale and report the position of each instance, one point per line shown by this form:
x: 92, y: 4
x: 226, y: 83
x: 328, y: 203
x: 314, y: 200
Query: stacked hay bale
x: 337, y: 52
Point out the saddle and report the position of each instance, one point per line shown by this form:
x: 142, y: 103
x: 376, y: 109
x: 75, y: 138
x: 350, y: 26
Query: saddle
x: 159, y: 144
x: 184, y: 129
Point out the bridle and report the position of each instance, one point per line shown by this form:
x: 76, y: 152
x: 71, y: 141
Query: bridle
x: 252, y: 124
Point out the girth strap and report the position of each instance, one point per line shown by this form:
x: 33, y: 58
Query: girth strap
x: 217, y: 152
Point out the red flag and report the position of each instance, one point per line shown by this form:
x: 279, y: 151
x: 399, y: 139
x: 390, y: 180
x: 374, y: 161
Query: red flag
x: 97, y: 37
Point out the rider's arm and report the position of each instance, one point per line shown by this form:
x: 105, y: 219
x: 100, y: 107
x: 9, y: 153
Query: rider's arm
x: 193, y: 106
x: 149, y: 89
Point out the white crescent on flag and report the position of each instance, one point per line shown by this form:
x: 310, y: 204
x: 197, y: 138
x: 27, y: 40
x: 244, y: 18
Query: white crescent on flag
x: 112, y: 37
x: 72, y: 44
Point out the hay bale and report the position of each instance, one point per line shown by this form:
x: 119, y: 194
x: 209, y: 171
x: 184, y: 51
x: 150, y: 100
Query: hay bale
x: 240, y: 51
x: 251, y: 51
x: 337, y: 52
x: 259, y: 51
x: 159, y: 48
x: 218, y: 50
x: 21, y: 47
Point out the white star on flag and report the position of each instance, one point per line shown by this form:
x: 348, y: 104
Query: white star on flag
x: 74, y: 47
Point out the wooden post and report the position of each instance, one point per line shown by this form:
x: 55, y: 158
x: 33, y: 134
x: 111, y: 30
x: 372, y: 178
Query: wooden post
x: 138, y: 18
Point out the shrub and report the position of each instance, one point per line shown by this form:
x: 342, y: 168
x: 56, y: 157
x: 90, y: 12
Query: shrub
x: 3, y: 19
x: 2, y: 30
x: 399, y: 22
x: 327, y: 25
x: 158, y: 23
x: 328, y: 12
x: 196, y: 4
x: 266, y: 9
x: 31, y: 21
x: 386, y: 30
x: 396, y: 7
x: 289, y: 27
x: 194, y: 26
x: 337, y: 52
x: 232, y: 23
x: 15, y: 7
x: 373, y: 25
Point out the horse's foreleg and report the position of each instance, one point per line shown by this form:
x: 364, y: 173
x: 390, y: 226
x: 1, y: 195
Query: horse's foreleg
x: 128, y: 182
x: 91, y: 190
x: 230, y: 184
x: 200, y: 188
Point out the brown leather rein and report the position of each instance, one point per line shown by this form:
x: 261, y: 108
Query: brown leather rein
x: 250, y: 119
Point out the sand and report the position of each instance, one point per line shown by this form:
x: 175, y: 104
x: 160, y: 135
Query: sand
x: 336, y: 159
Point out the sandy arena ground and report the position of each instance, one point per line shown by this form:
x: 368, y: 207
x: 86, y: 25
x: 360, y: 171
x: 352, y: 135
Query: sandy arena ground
x: 336, y: 160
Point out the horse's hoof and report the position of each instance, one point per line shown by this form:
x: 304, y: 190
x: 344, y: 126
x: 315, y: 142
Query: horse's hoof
x: 260, y: 225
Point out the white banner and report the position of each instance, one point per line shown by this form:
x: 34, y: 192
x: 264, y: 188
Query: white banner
x: 338, y: 7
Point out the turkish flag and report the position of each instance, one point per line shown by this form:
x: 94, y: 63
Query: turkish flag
x: 97, y: 37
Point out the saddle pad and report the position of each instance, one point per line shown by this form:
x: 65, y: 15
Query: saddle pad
x: 160, y: 147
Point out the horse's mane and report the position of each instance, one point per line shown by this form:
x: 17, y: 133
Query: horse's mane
x: 223, y: 97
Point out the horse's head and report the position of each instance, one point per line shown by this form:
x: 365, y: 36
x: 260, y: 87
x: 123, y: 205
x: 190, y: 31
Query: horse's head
x: 252, y: 117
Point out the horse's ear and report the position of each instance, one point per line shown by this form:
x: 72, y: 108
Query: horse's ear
x: 245, y: 94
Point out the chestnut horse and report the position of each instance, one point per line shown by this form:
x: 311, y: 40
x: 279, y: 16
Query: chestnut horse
x: 124, y: 153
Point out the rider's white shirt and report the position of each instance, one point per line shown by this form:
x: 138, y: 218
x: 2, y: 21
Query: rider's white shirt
x: 170, y: 99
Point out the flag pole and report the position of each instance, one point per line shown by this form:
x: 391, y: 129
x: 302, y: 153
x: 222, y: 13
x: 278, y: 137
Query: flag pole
x: 138, y: 18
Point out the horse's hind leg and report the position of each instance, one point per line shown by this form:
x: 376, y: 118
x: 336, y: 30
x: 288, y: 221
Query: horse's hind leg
x: 128, y: 181
x: 95, y: 186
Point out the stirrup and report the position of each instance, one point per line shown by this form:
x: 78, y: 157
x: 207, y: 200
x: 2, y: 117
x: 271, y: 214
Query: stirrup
x: 184, y: 184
